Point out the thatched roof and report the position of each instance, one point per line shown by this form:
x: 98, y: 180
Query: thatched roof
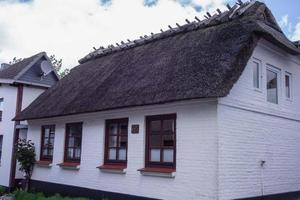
x: 198, y: 60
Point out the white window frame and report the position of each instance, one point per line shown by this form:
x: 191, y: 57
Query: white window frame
x: 1, y: 147
x: 278, y: 72
x: 291, y: 86
x: 257, y: 61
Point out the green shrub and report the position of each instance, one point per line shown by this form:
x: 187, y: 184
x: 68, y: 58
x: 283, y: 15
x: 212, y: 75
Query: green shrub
x: 22, y: 195
x: 2, y: 190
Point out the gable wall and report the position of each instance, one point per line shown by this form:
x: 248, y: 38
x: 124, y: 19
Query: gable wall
x: 34, y: 75
x: 252, y: 130
x: 196, y: 153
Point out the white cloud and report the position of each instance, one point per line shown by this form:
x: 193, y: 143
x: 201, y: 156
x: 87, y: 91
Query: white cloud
x: 296, y: 34
x: 284, y: 23
x: 69, y: 29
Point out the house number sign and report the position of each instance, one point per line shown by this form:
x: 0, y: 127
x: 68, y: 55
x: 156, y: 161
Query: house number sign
x: 135, y: 129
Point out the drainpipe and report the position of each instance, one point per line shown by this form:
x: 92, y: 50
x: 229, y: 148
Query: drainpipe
x: 15, y: 138
x: 262, y: 164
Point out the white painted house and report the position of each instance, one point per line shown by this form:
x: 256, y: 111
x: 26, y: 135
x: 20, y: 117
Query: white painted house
x: 20, y: 84
x: 209, y: 110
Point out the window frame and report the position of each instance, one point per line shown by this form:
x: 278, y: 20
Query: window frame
x: 66, y: 159
x: 42, y: 157
x: 107, y: 161
x: 1, y: 146
x: 1, y: 108
x: 260, y: 77
x: 160, y: 164
x: 278, y: 73
x: 290, y: 85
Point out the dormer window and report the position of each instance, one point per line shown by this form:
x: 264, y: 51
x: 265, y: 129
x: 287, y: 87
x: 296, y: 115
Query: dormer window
x: 288, y: 85
x: 272, y: 85
x: 256, y: 66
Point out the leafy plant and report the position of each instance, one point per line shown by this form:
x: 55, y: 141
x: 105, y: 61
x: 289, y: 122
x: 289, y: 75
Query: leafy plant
x: 22, y: 195
x: 2, y: 190
x: 25, y: 155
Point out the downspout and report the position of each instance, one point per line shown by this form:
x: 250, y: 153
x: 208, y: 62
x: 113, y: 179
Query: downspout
x: 15, y: 137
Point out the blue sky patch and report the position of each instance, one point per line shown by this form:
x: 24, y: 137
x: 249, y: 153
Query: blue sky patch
x: 150, y: 2
x: 105, y: 2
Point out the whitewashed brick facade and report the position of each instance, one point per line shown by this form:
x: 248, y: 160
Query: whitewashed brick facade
x: 220, y: 143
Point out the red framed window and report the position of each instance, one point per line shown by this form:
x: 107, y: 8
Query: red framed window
x: 161, y: 141
x: 47, y: 142
x: 116, y: 141
x: 73, y: 142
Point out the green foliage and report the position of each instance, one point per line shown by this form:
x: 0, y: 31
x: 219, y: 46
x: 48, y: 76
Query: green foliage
x: 57, y: 64
x: 2, y: 190
x: 22, y: 195
x: 25, y: 155
x: 15, y: 60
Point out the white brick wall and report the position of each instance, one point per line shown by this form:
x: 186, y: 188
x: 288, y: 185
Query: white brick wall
x: 251, y: 130
x: 196, y: 153
x: 9, y: 94
x: 220, y: 146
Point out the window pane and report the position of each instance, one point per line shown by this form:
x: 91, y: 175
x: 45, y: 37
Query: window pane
x: 123, y: 141
x: 155, y: 140
x: 155, y: 155
x: 70, y: 153
x: 287, y: 86
x: 51, y: 141
x: 112, y: 141
x: 155, y: 126
x: 168, y: 125
x: 272, y: 90
x: 168, y: 140
x: 1, y: 104
x: 1, y: 142
x: 71, y: 142
x: 112, y: 154
x: 113, y: 129
x: 168, y: 155
x: 122, y: 154
x: 255, y: 75
x: 77, y: 142
x: 45, y: 152
x: 77, y: 153
x: 50, y: 152
x: 124, y: 128
x: 47, y: 132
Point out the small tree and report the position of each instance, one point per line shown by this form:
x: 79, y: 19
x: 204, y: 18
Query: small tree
x: 25, y: 155
x: 57, y: 64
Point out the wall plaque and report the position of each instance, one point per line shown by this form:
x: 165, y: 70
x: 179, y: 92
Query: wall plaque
x: 135, y: 129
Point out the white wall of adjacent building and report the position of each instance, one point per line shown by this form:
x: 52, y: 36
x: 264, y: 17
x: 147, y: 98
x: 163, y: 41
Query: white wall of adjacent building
x: 9, y: 95
x: 252, y: 130
x: 196, y: 162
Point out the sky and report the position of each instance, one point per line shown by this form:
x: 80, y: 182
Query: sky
x: 70, y: 29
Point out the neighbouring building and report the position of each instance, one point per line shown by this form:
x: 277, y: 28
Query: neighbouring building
x: 20, y: 84
x: 207, y: 110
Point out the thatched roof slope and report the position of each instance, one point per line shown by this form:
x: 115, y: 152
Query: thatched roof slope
x: 198, y: 60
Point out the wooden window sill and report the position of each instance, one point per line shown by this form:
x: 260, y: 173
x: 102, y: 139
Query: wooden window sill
x: 43, y: 163
x: 70, y: 166
x: 117, y: 169
x: 159, y: 172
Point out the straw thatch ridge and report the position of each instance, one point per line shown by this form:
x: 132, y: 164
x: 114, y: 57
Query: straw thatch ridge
x: 191, y: 64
